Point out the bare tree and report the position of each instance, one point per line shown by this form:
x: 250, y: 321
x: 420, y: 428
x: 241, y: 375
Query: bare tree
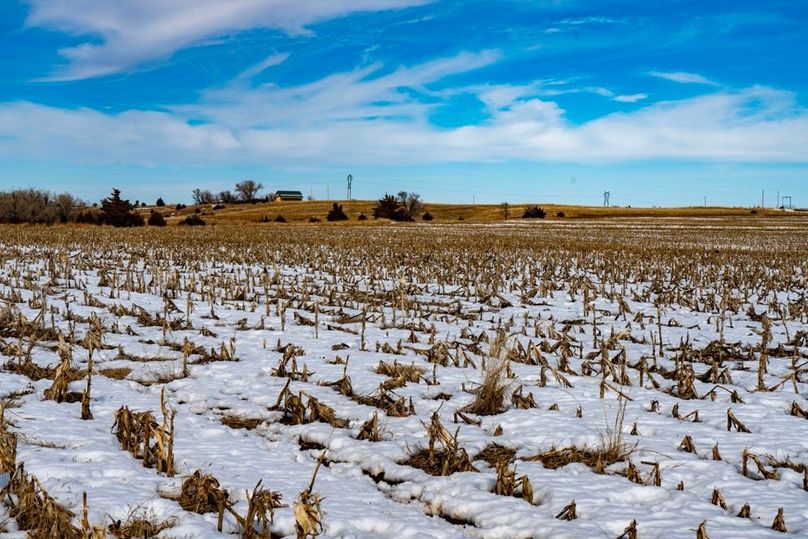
x: 203, y: 197
x: 66, y: 204
x: 226, y: 197
x: 505, y: 210
x: 248, y: 189
x: 411, y: 204
x: 35, y: 206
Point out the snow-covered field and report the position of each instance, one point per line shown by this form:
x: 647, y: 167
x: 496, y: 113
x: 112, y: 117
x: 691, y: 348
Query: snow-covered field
x: 623, y: 348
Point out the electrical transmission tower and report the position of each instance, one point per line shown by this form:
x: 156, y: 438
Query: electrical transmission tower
x: 350, y: 181
x: 606, y: 196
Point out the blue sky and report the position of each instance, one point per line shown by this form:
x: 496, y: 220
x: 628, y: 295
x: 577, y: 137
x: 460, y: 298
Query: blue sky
x: 486, y: 100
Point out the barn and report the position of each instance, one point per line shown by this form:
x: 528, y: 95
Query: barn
x: 284, y: 196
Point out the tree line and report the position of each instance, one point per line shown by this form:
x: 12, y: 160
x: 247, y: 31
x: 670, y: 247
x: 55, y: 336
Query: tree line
x: 37, y: 206
x: 246, y: 191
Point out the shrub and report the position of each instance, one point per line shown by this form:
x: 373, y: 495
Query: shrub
x: 386, y: 207
x: 404, y: 207
x: 193, y: 220
x: 534, y: 213
x: 427, y: 217
x: 460, y: 218
x: 561, y: 215
x: 160, y: 202
x: 156, y: 219
x: 280, y: 219
x: 89, y: 218
x: 362, y: 217
x: 336, y: 213
x: 179, y: 207
x: 314, y: 220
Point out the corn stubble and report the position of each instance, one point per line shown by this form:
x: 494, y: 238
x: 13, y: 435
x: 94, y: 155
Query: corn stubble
x: 645, y: 281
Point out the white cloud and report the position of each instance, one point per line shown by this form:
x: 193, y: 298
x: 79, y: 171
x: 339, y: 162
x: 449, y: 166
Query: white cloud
x: 269, y: 61
x: 29, y: 130
x: 631, y: 98
x: 590, y: 20
x: 371, y: 117
x: 683, y: 77
x: 122, y: 34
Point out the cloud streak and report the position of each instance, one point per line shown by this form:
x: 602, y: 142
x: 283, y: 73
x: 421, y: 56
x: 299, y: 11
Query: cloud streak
x: 124, y: 34
x: 683, y: 77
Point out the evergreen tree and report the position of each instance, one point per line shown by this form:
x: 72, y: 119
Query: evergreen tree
x: 119, y: 212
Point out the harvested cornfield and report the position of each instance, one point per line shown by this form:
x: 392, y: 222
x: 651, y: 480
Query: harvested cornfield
x: 634, y: 378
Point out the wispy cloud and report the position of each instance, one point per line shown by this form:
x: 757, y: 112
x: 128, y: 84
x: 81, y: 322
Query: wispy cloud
x: 260, y: 67
x: 632, y: 98
x: 123, y: 34
x: 371, y: 116
x: 683, y: 77
x: 590, y: 20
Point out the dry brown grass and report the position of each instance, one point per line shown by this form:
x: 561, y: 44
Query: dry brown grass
x: 443, y: 456
x: 611, y: 449
x: 201, y: 494
x: 489, y: 397
x: 139, y: 523
x: 409, y: 373
x: 239, y: 422
x: 495, y: 454
x: 116, y: 373
x: 36, y: 511
x: 596, y: 458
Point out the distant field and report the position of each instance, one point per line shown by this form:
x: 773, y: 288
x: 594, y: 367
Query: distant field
x: 302, y: 211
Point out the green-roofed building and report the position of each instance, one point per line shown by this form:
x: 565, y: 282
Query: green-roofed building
x: 284, y: 196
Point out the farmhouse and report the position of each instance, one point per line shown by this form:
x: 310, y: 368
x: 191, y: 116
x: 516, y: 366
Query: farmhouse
x: 283, y: 196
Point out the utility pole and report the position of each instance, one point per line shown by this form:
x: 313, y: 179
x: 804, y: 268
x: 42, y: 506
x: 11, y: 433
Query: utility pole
x: 778, y: 199
x: 763, y: 199
x: 606, y: 199
x: 350, y: 181
x: 328, y: 192
x: 705, y: 201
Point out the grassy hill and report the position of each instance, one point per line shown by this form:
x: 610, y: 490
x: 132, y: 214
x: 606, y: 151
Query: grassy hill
x: 301, y: 212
